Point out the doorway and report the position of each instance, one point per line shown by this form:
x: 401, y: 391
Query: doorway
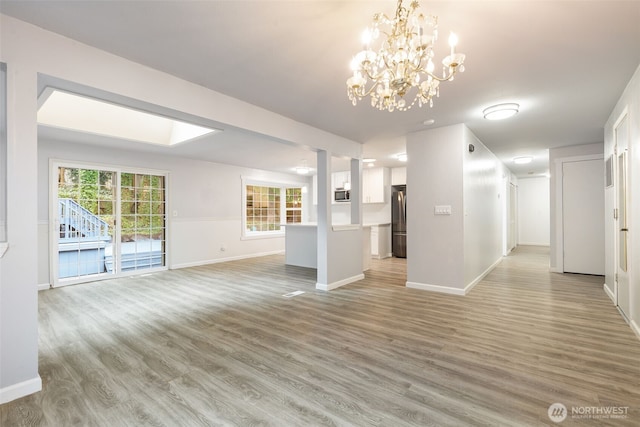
x: 106, y: 223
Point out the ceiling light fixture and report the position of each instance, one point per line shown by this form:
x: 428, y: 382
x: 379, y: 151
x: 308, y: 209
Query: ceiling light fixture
x: 402, y: 157
x: 303, y: 169
x: 522, y: 160
x: 404, y: 61
x: 501, y: 111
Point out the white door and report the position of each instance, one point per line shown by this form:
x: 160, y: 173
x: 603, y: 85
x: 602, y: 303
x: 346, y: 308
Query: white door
x: 583, y: 216
x: 622, y: 224
x: 512, y: 215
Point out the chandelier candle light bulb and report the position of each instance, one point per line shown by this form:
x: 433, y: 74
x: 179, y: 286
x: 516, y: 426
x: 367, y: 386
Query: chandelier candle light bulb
x: 402, y: 67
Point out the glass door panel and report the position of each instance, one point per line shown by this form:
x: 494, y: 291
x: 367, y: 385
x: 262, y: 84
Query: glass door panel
x: 143, y: 222
x: 85, y: 219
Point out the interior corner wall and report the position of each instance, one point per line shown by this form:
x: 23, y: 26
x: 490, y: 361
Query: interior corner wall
x: 533, y: 211
x: 435, y: 243
x: 556, y: 155
x: 484, y: 202
x: 630, y: 99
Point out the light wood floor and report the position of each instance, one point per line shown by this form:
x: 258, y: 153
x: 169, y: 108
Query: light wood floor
x: 220, y: 345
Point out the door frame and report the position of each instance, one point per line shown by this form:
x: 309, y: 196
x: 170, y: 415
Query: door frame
x: 54, y: 164
x: 559, y: 219
x: 619, y: 151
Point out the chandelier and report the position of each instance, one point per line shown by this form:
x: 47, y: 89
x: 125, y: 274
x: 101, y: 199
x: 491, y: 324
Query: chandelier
x: 402, y: 67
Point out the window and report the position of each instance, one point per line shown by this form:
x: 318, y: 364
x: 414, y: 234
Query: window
x: 263, y: 209
x: 268, y: 206
x: 294, y: 205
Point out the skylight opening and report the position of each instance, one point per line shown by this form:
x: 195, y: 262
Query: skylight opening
x: 70, y: 111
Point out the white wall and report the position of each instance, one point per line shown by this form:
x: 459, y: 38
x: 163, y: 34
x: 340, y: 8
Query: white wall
x: 435, y: 243
x: 451, y: 253
x: 484, y: 201
x: 30, y: 52
x: 533, y: 211
x: 206, y: 196
x: 630, y: 100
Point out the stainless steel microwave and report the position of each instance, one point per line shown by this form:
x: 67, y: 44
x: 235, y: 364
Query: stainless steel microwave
x: 341, y: 195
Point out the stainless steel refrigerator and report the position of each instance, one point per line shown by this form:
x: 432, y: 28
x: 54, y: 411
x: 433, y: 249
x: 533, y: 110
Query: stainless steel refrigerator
x: 399, y: 221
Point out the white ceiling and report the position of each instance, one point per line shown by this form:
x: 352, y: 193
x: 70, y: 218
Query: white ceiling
x: 565, y: 62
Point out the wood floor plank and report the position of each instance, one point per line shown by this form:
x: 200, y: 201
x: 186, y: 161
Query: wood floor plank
x: 219, y: 345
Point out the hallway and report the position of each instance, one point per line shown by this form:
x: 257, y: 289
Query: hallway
x: 220, y: 345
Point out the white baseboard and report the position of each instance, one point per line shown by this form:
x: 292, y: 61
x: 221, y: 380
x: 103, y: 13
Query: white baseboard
x: 635, y: 328
x: 19, y: 390
x: 44, y: 287
x: 609, y: 293
x: 330, y: 286
x: 482, y: 275
x: 227, y: 259
x: 435, y: 288
x: 451, y: 290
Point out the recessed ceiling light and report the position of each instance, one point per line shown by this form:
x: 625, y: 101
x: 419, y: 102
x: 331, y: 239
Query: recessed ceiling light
x: 368, y: 160
x: 402, y: 157
x: 501, y: 111
x: 428, y: 122
x: 523, y: 160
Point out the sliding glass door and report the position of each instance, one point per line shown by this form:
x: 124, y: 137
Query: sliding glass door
x: 107, y: 223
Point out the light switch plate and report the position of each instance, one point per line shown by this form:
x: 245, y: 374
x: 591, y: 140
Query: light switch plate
x: 442, y: 210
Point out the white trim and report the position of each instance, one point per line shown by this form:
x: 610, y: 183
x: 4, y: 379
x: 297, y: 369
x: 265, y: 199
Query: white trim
x: 635, y: 328
x: 44, y: 287
x: 334, y: 285
x: 226, y: 259
x: 610, y: 294
x: 435, y: 288
x: 19, y: 390
x: 452, y: 290
x: 533, y: 244
x: 559, y: 237
x: 482, y: 275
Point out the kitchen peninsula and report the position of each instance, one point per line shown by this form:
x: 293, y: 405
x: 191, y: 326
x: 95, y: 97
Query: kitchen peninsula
x: 301, y: 243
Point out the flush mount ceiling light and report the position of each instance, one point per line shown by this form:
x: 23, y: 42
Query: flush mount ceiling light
x: 403, y: 63
x: 501, y: 111
x: 523, y: 160
x: 70, y: 111
x: 303, y: 169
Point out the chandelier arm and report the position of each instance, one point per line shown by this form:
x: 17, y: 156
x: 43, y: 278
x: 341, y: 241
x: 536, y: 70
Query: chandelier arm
x: 443, y: 79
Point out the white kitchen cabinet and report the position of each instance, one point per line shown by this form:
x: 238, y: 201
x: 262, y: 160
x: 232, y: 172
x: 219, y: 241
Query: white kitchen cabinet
x: 381, y: 241
x: 374, y: 185
x: 339, y: 179
x: 399, y: 176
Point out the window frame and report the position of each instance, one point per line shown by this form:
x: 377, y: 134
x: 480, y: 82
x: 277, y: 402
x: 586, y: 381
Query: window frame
x: 282, y: 186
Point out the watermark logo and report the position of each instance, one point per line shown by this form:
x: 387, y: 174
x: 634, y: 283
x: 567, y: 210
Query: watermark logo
x: 557, y: 412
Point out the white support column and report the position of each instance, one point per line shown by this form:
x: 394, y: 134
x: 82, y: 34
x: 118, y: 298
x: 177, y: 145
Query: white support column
x: 324, y: 216
x: 18, y: 275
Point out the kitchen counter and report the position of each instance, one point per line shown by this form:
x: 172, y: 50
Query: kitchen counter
x: 301, y: 243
